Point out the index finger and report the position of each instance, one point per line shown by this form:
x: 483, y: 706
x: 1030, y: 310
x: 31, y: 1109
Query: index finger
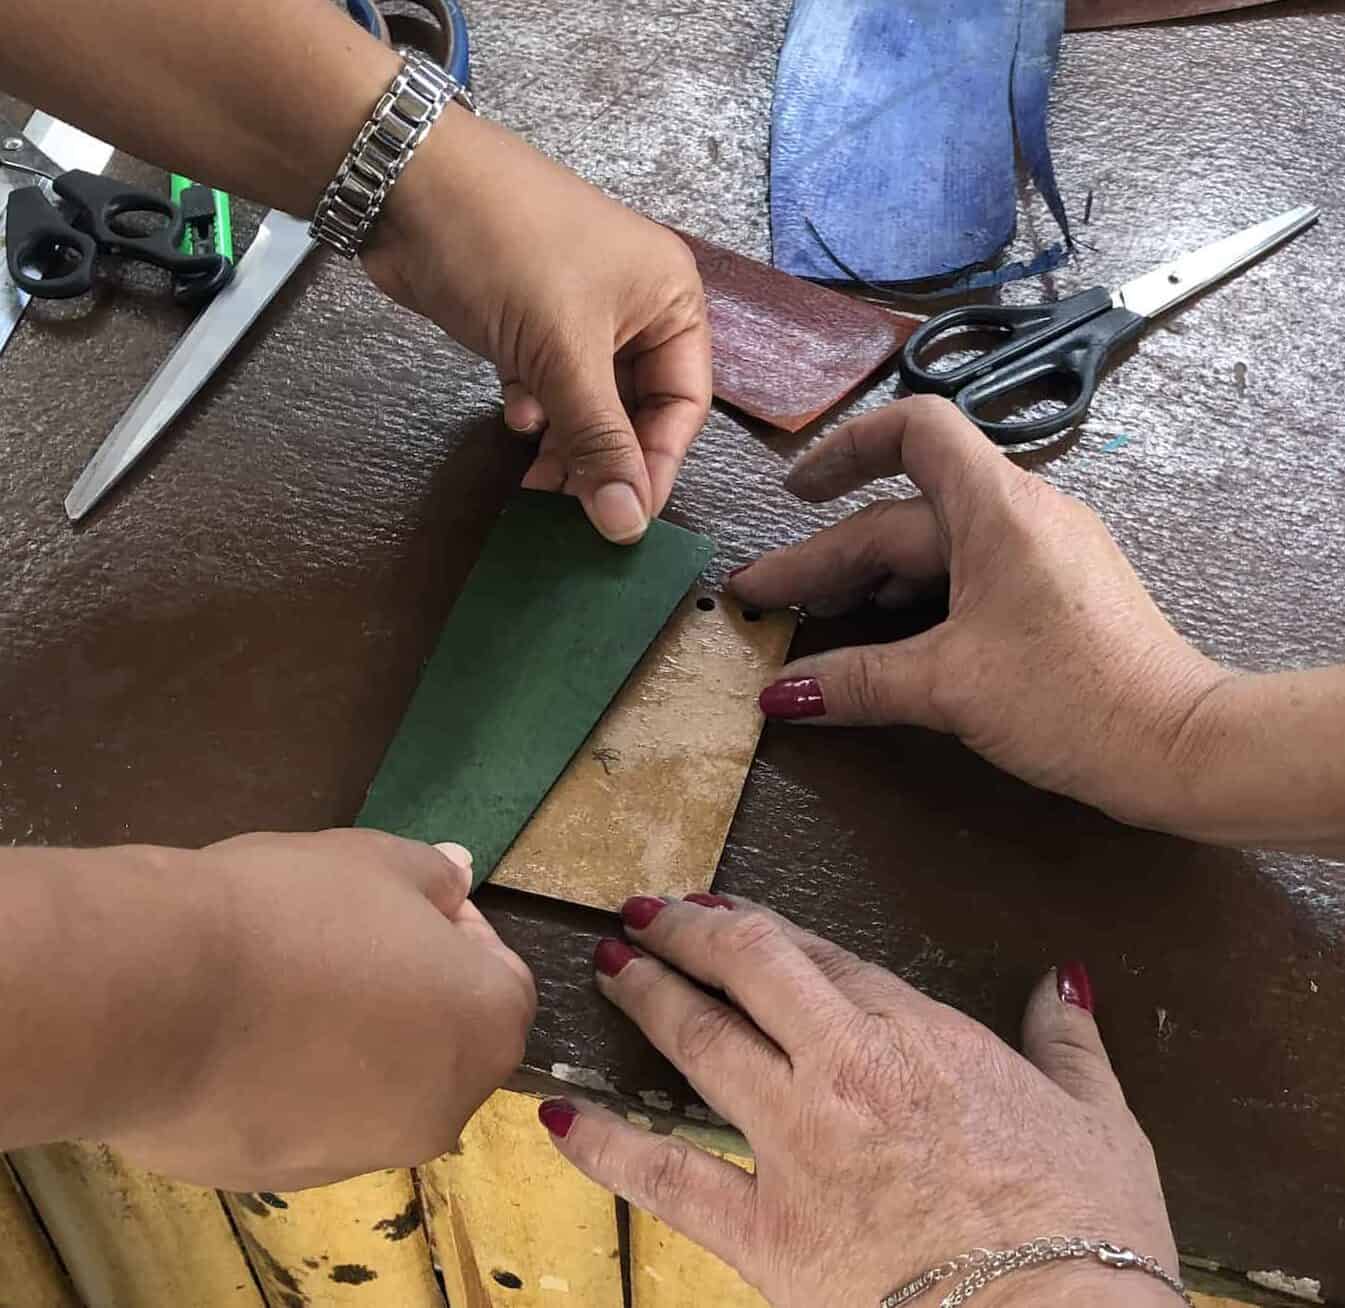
x: 925, y: 437
x: 749, y: 956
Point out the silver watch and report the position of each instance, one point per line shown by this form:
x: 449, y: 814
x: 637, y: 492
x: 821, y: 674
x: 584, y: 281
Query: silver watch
x: 399, y: 123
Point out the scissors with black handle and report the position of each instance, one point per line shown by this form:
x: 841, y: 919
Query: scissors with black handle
x: 281, y: 245
x: 1065, y: 345
x: 52, y: 248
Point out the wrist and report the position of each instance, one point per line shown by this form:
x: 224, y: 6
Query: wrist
x: 1153, y: 772
x: 1066, y: 1285
x: 1259, y: 763
x: 104, y: 963
x: 435, y: 199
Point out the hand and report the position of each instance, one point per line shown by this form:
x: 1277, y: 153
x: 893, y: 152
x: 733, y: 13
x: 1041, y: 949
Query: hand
x: 1054, y: 663
x: 593, y: 316
x: 351, y: 1009
x: 889, y: 1132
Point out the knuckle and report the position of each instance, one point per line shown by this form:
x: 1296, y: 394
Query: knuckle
x: 932, y: 410
x: 685, y: 287
x: 1070, y: 1061
x: 1029, y: 503
x: 702, y: 1033
x: 525, y: 1010
x: 661, y: 1179
x: 750, y: 934
x: 864, y: 682
x: 872, y: 1075
x: 602, y: 443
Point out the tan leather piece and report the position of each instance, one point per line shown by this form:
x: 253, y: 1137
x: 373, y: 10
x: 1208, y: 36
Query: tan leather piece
x: 786, y: 350
x: 645, y: 805
x: 1081, y: 14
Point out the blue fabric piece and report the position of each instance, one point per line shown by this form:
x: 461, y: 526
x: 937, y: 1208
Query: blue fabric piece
x: 1040, y: 29
x: 892, y: 151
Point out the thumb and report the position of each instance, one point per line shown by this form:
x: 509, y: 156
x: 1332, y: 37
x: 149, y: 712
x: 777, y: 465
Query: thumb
x: 1061, y: 1038
x: 447, y: 881
x: 866, y: 685
x: 592, y: 437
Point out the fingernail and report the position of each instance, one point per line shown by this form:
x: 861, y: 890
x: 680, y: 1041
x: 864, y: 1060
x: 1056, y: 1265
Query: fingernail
x: 742, y: 567
x: 708, y: 901
x: 639, y: 912
x: 531, y: 429
x: 618, y: 513
x: 1073, y: 986
x: 455, y: 853
x: 793, y: 699
x: 611, y: 956
x: 557, y: 1115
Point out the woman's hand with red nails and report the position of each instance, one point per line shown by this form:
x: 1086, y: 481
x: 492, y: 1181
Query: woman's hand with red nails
x: 889, y: 1132
x: 1054, y: 663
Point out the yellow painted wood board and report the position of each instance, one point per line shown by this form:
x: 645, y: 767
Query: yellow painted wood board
x: 514, y: 1225
x: 30, y: 1276
x: 361, y: 1242
x: 646, y: 804
x: 669, y: 1271
x: 130, y: 1239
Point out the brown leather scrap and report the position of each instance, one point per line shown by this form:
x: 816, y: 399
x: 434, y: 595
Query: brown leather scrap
x: 786, y: 350
x: 1122, y: 13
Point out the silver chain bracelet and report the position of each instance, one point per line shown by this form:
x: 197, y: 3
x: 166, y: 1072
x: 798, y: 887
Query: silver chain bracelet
x: 978, y: 1268
x: 399, y: 123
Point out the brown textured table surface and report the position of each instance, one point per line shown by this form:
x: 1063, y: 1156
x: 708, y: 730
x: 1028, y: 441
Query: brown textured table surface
x: 229, y: 643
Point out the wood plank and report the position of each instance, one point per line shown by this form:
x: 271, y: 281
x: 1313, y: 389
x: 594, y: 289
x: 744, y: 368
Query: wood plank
x: 514, y: 1225
x: 361, y: 1242
x: 130, y: 1239
x: 670, y: 1271
x: 30, y: 1276
x: 646, y: 804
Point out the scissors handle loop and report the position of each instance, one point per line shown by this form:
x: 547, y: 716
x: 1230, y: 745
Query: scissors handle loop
x: 52, y: 255
x: 1073, y: 360
x: 1024, y: 328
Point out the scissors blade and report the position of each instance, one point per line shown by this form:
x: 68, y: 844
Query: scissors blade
x: 1171, y: 283
x: 12, y: 300
x: 281, y: 245
x: 67, y: 146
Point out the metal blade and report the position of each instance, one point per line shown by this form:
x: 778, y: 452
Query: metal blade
x: 67, y: 146
x: 281, y: 245
x: 1171, y: 283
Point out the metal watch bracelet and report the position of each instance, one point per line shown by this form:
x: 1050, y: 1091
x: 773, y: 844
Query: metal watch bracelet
x: 399, y: 123
x: 975, y: 1270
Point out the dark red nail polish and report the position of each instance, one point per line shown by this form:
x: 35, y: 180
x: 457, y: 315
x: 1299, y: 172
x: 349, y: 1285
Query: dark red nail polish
x: 613, y: 955
x: 793, y: 699
x: 708, y: 901
x: 1073, y: 986
x: 557, y: 1115
x: 639, y: 912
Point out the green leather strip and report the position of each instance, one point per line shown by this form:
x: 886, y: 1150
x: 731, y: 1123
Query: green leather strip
x: 550, y: 624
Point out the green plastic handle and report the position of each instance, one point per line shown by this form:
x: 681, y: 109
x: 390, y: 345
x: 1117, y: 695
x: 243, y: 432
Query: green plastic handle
x: 224, y: 234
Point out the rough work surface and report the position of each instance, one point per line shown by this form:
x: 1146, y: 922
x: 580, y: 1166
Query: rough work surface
x: 231, y: 643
